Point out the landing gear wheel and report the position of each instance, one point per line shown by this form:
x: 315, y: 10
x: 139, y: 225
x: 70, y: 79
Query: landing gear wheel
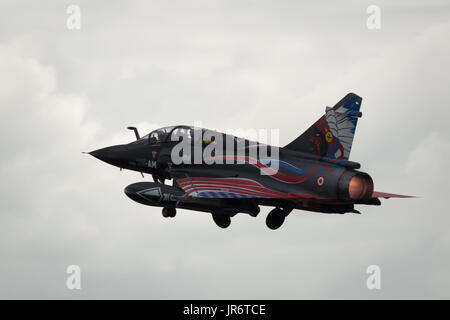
x: 223, y: 221
x: 255, y: 211
x: 275, y: 219
x: 169, y: 212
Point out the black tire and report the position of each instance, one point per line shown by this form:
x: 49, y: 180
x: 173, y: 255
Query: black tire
x: 169, y: 212
x: 255, y: 211
x: 275, y: 219
x: 223, y: 221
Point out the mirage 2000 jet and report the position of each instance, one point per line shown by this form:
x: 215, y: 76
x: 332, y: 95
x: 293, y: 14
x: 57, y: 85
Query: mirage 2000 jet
x: 238, y: 175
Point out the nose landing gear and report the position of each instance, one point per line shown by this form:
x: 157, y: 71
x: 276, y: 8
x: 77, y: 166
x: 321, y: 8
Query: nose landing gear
x: 169, y: 212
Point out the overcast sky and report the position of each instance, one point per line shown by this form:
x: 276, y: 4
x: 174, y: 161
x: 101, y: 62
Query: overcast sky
x: 230, y: 64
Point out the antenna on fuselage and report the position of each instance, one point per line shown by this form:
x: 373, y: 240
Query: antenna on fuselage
x: 135, y: 132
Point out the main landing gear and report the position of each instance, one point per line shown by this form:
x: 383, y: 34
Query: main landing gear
x: 276, y: 217
x: 169, y: 212
x: 222, y: 220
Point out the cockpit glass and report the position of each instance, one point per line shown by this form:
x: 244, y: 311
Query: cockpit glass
x: 182, y: 131
x: 159, y: 135
x: 172, y: 133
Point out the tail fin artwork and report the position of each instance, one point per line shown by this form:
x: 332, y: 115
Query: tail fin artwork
x: 331, y: 136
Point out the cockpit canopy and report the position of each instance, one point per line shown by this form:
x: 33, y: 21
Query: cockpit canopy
x: 166, y: 134
x: 159, y: 135
x: 173, y: 134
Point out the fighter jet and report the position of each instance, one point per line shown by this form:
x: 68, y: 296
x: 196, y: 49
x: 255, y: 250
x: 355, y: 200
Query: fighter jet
x: 237, y: 175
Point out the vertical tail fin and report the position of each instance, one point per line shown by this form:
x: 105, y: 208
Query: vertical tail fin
x: 331, y: 136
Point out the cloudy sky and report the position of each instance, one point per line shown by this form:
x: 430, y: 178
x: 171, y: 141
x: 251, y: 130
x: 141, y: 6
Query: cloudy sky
x: 230, y: 64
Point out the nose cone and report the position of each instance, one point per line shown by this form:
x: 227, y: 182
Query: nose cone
x: 104, y: 154
x: 101, y: 154
x: 115, y: 155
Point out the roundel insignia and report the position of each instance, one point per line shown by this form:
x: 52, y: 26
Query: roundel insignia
x: 320, y: 181
x: 329, y: 136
